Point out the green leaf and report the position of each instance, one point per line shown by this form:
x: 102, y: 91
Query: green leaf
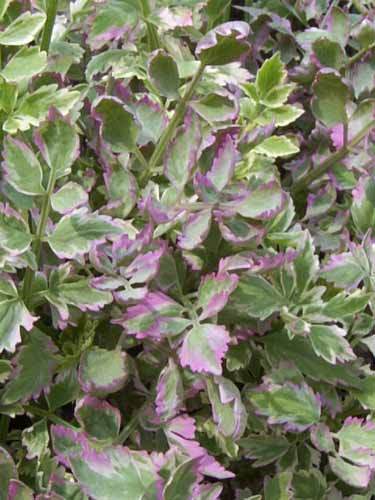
x: 59, y: 145
x: 64, y: 390
x: 98, y: 418
x: 23, y: 30
x: 182, y: 153
x: 70, y: 196
x: 8, y: 471
x: 104, y: 61
x: 306, y: 264
x: 356, y: 476
x: 13, y: 316
x: 22, y: 168
x: 256, y: 297
x: 19, y: 490
x: 62, y: 55
x: 215, y: 108
x: 344, y: 270
x: 277, y: 146
x: 4, y: 4
x: 280, y: 116
x: 113, y: 15
x: 330, y: 98
x: 300, y: 352
x: 224, y: 44
x: 264, y: 449
x: 74, y: 234
x: 118, y: 126
x: 102, y: 372
x: 34, y: 369
x: 263, y: 203
x: 329, y: 53
x: 278, y: 488
x: 163, y: 73
x: 8, y: 96
x: 181, y: 483
x: 328, y: 342
x: 366, y: 395
x: 170, y: 391
x: 26, y: 63
x: 115, y: 473
x: 36, y: 439
x: 228, y: 411
x: 33, y: 108
x: 80, y: 294
x: 344, y: 304
x: 309, y: 485
x: 14, y: 232
x: 270, y: 75
x: 294, y: 405
x: 204, y: 347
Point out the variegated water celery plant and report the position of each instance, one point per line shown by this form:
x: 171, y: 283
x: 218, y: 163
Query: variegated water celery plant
x: 187, y: 214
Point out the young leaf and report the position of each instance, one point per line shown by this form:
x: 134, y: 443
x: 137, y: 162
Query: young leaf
x: 26, y: 63
x: 330, y: 98
x: 21, y: 167
x: 105, y: 474
x: 214, y: 292
x: 256, y: 297
x: 270, y: 75
x: 277, y: 146
x: 328, y: 342
x: 224, y: 44
x: 99, y: 419
x: 183, y: 153
x: 74, y: 234
x: 204, y: 347
x: 13, y: 316
x: 14, y: 232
x: 33, y: 369
x: 69, y: 197
x: 102, y: 372
x: 169, y: 391
x: 23, y: 30
x: 296, y: 406
x: 229, y: 413
x: 163, y: 73
x: 8, y: 471
x: 118, y: 126
x: 59, y: 144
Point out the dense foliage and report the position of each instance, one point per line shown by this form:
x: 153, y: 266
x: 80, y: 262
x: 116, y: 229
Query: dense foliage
x: 187, y: 259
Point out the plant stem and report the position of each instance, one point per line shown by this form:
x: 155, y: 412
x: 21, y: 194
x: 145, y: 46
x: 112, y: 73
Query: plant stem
x: 152, y: 36
x: 40, y: 412
x: 352, y: 60
x: 4, y: 427
x: 40, y: 232
x: 131, y: 426
x: 175, y: 121
x: 48, y: 27
x: 302, y: 184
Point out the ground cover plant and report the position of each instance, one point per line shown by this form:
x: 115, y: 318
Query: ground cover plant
x: 187, y: 250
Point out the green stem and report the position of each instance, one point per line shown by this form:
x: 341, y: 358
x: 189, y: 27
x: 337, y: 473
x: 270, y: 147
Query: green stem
x: 142, y: 160
x: 175, y: 121
x: 152, y: 35
x: 303, y: 184
x: 40, y: 232
x: 39, y: 412
x: 4, y: 427
x: 48, y: 27
x: 352, y: 60
x: 131, y: 426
